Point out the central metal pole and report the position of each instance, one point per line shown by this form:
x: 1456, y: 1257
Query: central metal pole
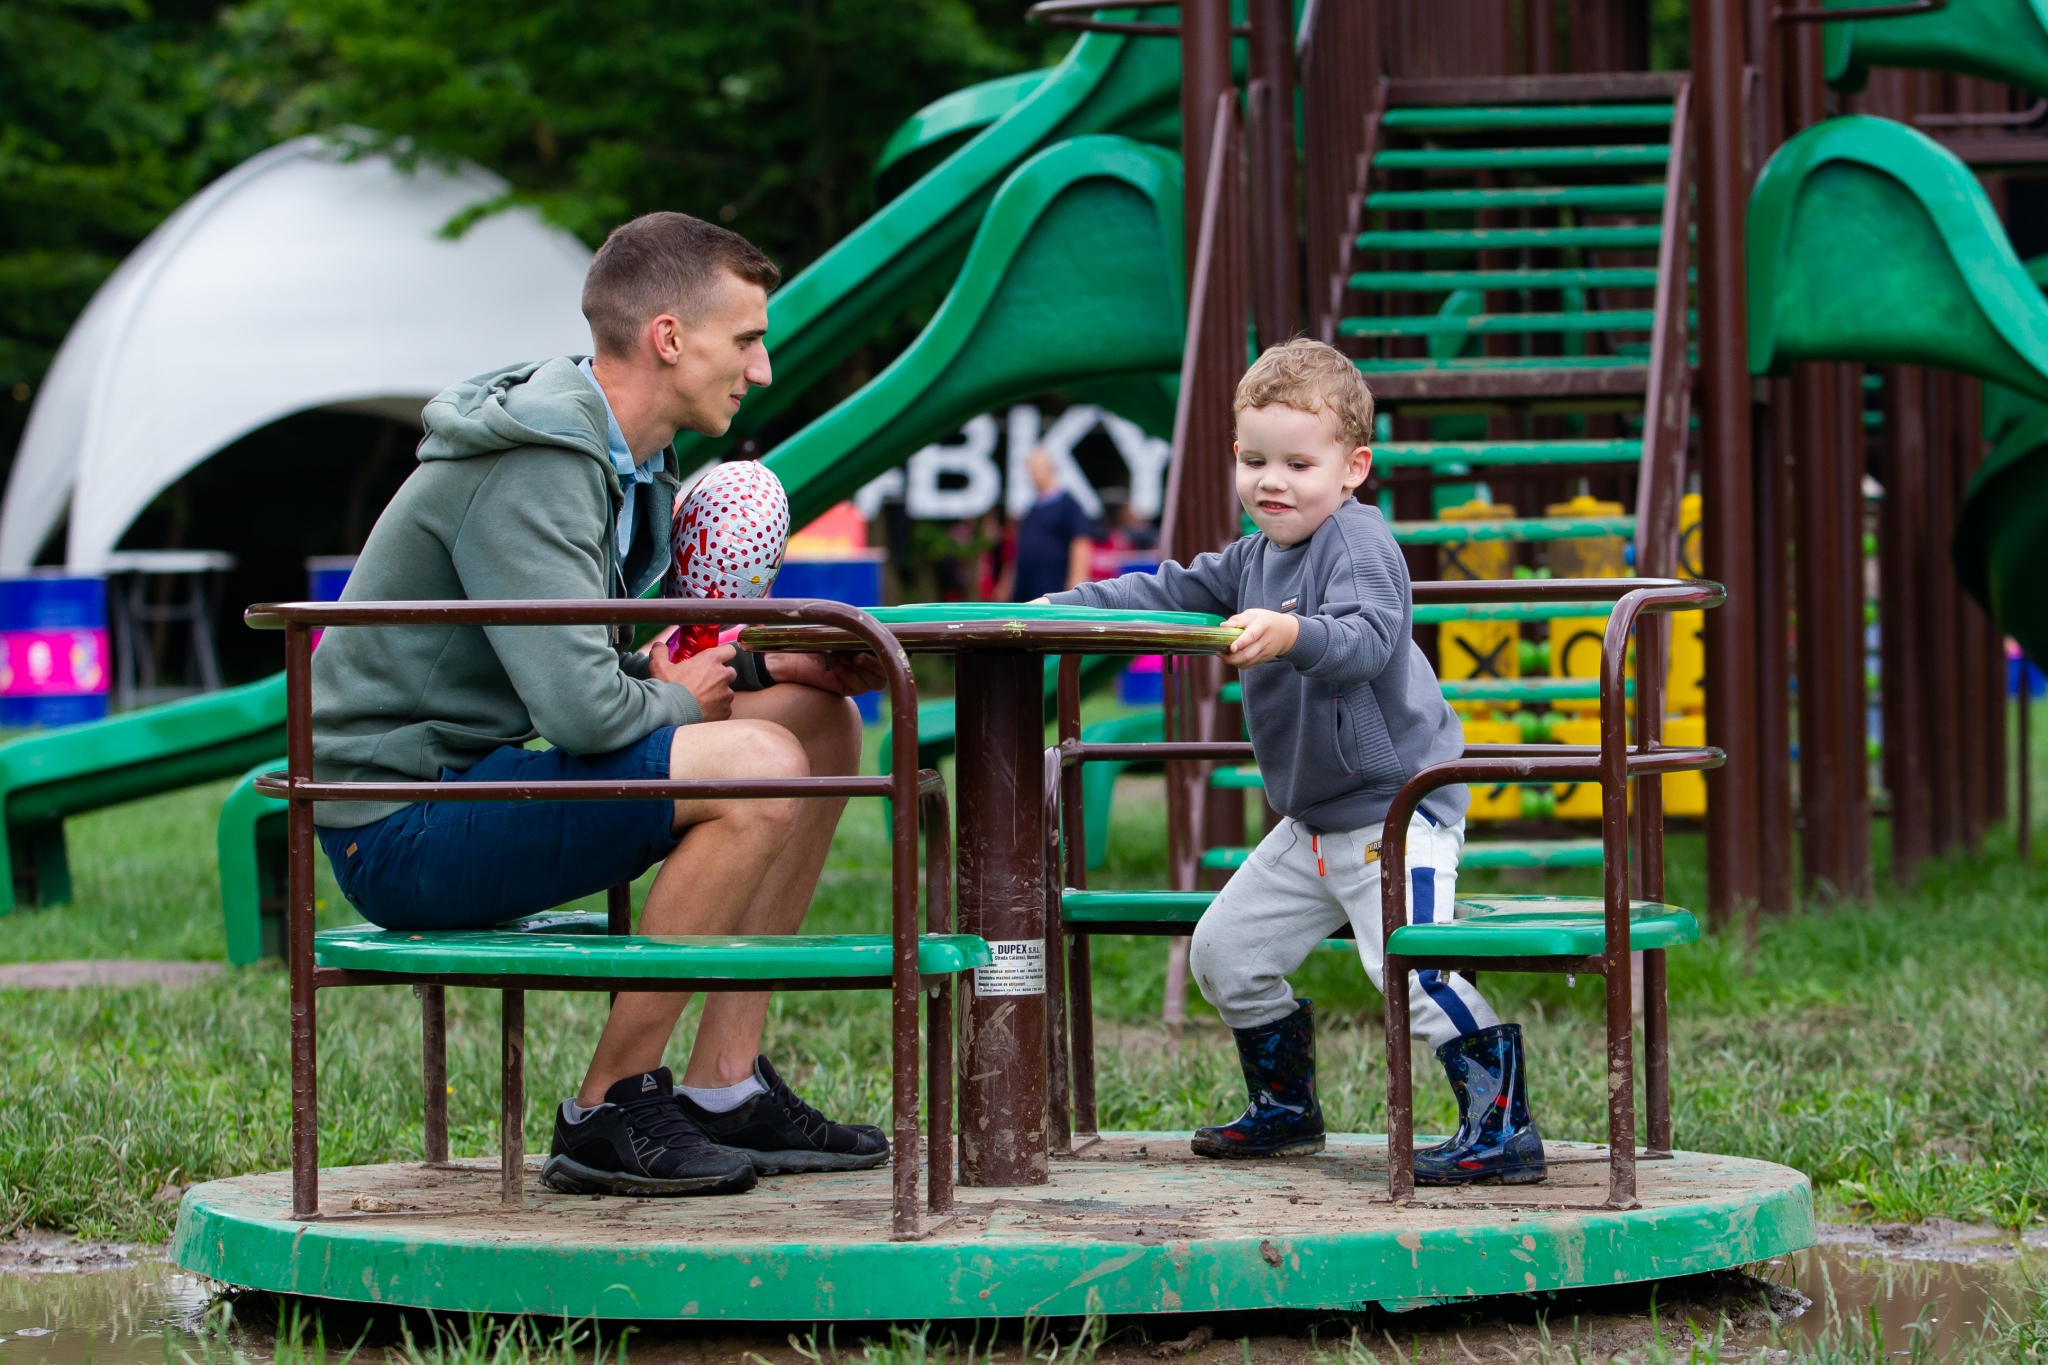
x: 1204, y: 75
x: 1000, y: 705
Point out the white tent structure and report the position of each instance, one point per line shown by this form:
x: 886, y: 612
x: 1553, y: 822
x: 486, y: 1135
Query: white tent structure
x: 298, y: 280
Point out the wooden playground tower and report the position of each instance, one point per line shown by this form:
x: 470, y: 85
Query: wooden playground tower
x: 1779, y: 463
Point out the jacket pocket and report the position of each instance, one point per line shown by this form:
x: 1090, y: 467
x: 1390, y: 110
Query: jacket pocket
x: 1347, y: 734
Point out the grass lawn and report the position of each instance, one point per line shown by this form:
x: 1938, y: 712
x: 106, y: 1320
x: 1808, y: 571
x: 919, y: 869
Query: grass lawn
x: 1895, y: 1052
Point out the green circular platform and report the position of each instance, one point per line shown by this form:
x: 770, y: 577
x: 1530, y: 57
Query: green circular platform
x: 1130, y: 1224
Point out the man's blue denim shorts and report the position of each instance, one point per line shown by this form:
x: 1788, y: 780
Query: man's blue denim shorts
x: 472, y: 864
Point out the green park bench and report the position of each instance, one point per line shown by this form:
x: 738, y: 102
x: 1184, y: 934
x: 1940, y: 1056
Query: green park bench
x: 1593, y: 935
x: 588, y: 952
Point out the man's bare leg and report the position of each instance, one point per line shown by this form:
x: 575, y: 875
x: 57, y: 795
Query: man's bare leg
x: 828, y: 727
x: 709, y: 884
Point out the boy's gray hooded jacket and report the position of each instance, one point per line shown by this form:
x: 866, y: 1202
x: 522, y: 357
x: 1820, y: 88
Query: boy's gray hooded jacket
x: 515, y: 497
x: 1340, y: 721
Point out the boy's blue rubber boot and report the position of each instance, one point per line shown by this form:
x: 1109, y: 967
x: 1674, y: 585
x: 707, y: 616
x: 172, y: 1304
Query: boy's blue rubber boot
x: 1496, y: 1137
x: 1283, y: 1118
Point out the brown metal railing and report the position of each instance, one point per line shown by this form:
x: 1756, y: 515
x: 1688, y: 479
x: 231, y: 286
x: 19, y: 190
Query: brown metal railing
x: 1613, y: 768
x: 1613, y: 763
x: 904, y: 787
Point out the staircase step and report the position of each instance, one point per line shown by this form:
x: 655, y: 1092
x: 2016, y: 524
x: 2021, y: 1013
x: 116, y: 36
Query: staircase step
x: 1509, y: 611
x: 1490, y: 853
x: 1597, y: 198
x: 1443, y: 281
x: 1519, y: 158
x: 1475, y: 324
x: 1511, y: 528
x: 1526, y: 690
x: 1510, y: 239
x: 1417, y: 380
x: 1240, y: 779
x: 1447, y: 118
x: 1480, y: 454
x: 1533, y: 853
x: 1634, y: 87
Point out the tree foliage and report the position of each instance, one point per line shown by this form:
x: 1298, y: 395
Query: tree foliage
x: 764, y: 116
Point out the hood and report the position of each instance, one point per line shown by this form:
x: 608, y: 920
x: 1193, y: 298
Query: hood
x: 541, y: 403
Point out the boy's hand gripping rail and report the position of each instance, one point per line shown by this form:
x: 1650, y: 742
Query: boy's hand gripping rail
x: 903, y: 787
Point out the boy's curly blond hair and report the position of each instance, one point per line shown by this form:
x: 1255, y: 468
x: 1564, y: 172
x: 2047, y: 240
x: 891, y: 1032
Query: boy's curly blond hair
x: 1310, y: 377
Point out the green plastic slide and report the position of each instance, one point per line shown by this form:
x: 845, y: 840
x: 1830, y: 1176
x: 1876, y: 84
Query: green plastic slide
x: 1107, y: 83
x: 1870, y: 242
x: 48, y: 776
x: 1999, y: 40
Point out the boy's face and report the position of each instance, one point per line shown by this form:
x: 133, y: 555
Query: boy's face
x: 1294, y: 471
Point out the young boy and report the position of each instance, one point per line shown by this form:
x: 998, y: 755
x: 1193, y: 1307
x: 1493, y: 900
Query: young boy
x: 1343, y: 708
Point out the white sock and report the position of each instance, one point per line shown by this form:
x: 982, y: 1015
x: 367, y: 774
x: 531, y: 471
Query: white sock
x: 576, y: 1113
x: 724, y: 1098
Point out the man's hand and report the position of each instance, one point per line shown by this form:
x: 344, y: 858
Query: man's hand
x: 708, y: 676
x: 844, y: 675
x: 1267, y: 635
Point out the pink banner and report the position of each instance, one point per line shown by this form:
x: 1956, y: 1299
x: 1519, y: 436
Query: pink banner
x: 52, y: 663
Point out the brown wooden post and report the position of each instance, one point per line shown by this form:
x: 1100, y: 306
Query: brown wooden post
x: 1902, y: 586
x: 1340, y: 75
x: 1276, y: 271
x: 1773, y: 490
x: 1733, y: 830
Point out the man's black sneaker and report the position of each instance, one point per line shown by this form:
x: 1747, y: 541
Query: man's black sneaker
x: 640, y: 1142
x: 783, y: 1134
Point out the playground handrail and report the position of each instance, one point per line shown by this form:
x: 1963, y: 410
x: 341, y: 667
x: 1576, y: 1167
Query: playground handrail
x: 903, y: 787
x: 1613, y: 767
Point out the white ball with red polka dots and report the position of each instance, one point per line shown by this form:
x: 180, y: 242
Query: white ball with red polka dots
x: 730, y: 532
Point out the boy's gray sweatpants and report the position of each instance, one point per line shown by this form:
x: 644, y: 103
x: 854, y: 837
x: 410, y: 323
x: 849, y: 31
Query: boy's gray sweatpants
x: 1295, y: 890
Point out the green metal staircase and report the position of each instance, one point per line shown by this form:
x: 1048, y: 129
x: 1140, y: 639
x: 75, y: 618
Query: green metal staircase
x: 1516, y: 295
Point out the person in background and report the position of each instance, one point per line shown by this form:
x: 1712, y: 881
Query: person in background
x: 1055, y: 540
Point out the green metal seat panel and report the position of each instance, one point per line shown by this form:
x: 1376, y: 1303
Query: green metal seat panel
x: 1501, y: 239
x: 1512, y: 528
x: 1449, y: 118
x: 1521, y: 158
x: 1442, y: 281
x: 1437, y: 454
x: 1597, y: 198
x: 577, y: 952
x: 1148, y: 907
x: 1541, y: 926
x: 1493, y: 324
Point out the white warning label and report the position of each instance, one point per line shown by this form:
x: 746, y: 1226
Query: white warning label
x: 1018, y: 969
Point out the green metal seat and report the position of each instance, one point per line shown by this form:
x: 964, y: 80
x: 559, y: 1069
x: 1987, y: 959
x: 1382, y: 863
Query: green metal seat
x: 577, y: 946
x: 1541, y: 926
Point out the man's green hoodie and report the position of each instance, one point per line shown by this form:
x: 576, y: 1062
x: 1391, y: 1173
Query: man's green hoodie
x: 515, y: 497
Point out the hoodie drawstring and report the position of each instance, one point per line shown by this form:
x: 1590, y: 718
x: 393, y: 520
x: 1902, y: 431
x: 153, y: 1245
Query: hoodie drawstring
x: 1315, y: 846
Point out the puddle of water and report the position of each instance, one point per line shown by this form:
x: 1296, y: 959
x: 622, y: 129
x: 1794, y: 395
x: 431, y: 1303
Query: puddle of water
x: 142, y: 1313
x: 1949, y: 1300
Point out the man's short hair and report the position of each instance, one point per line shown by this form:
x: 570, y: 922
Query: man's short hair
x: 1310, y: 377
x: 663, y: 263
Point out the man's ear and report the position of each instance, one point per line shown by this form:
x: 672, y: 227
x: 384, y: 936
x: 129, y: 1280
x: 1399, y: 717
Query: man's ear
x: 665, y: 337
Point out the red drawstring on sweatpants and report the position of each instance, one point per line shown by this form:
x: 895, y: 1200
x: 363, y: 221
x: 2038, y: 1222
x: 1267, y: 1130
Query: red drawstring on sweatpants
x: 1315, y: 846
